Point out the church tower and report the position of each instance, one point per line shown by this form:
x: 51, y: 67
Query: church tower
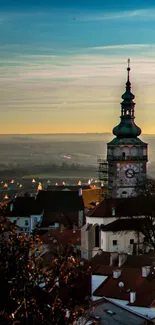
x: 126, y: 153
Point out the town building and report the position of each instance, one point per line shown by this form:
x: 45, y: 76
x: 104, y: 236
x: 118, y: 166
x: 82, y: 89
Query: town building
x: 125, y: 280
x: 124, y: 173
x: 127, y: 154
x: 25, y: 212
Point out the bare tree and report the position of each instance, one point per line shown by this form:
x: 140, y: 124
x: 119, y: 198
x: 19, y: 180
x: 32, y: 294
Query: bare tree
x: 32, y: 293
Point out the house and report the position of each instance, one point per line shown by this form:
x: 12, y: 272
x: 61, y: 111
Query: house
x: 25, y: 212
x: 115, y: 224
x: 61, y: 208
x: 90, y: 193
x: 127, y: 280
x: 133, y: 288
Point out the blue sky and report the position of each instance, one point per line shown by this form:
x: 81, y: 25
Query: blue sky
x: 63, y: 64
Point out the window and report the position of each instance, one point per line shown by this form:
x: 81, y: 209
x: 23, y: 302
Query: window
x: 26, y: 222
x: 131, y: 241
x: 97, y: 236
x: 114, y: 242
x: 123, y: 154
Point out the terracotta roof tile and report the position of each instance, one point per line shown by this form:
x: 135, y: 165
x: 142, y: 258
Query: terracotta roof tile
x: 67, y: 236
x: 125, y: 207
x: 133, y: 281
x: 125, y: 224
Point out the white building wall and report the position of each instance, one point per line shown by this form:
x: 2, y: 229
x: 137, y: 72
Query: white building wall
x: 21, y: 221
x: 34, y: 219
x: 123, y: 241
x: 100, y: 221
x: 26, y: 222
x: 80, y: 218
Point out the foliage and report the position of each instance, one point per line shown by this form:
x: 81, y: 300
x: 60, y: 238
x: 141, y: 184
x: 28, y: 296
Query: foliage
x: 33, y: 292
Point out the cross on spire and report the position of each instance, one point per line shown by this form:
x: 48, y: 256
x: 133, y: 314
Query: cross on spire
x: 128, y: 69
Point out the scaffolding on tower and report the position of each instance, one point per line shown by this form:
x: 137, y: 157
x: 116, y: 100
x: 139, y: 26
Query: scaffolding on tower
x: 104, y: 176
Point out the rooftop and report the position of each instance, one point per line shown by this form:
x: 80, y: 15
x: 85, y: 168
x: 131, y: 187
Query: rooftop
x: 113, y: 314
x: 65, y: 237
x: 132, y: 280
x: 23, y: 206
x: 124, y: 207
x: 60, y: 201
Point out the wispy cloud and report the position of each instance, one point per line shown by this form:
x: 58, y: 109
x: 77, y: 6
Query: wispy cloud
x: 142, y: 13
x: 124, y: 47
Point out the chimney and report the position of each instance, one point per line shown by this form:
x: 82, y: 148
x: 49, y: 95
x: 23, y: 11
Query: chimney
x: 113, y: 258
x: 61, y: 227
x: 132, y: 297
x: 122, y: 257
x: 145, y: 271
x: 80, y: 191
x: 113, y: 211
x: 74, y: 228
x: 116, y: 273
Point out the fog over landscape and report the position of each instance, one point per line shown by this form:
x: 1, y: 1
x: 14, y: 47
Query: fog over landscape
x: 58, y: 155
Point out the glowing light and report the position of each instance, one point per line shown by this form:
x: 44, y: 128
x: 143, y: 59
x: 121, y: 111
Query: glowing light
x: 39, y: 188
x: 56, y: 184
x: 12, y: 181
x: 6, y: 197
x: 20, y: 185
x: 89, y: 182
x: 33, y: 180
x: 5, y: 185
x: 79, y: 182
x: 63, y: 183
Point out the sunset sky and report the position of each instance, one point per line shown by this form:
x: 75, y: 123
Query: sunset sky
x: 63, y: 64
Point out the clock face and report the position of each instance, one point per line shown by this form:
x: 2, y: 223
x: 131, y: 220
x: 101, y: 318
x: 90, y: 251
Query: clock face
x: 129, y: 173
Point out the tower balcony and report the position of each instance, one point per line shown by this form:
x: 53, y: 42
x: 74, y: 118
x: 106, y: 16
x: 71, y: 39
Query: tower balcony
x: 127, y: 158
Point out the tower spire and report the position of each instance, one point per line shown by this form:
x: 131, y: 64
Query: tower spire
x: 127, y: 127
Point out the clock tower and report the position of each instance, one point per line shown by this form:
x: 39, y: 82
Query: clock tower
x: 126, y: 153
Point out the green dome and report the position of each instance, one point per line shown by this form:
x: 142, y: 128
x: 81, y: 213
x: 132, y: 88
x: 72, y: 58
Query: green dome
x: 127, y: 129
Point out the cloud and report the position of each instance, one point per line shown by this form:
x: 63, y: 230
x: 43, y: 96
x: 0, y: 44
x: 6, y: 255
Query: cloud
x: 124, y: 47
x: 134, y: 14
x: 88, y: 85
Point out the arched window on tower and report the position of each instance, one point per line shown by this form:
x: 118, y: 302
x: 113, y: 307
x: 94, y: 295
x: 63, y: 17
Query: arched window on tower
x: 123, y: 155
x: 97, y: 236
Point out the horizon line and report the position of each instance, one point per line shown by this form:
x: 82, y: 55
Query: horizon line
x: 66, y: 133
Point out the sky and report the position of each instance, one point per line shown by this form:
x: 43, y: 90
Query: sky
x: 63, y: 64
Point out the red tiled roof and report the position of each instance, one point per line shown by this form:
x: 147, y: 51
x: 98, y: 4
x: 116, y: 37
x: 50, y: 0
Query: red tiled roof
x: 104, y: 208
x: 100, y: 262
x: 66, y: 218
x: 127, y: 207
x: 137, y: 206
x: 126, y: 224
x: 67, y: 236
x: 133, y: 281
x: 100, y: 259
